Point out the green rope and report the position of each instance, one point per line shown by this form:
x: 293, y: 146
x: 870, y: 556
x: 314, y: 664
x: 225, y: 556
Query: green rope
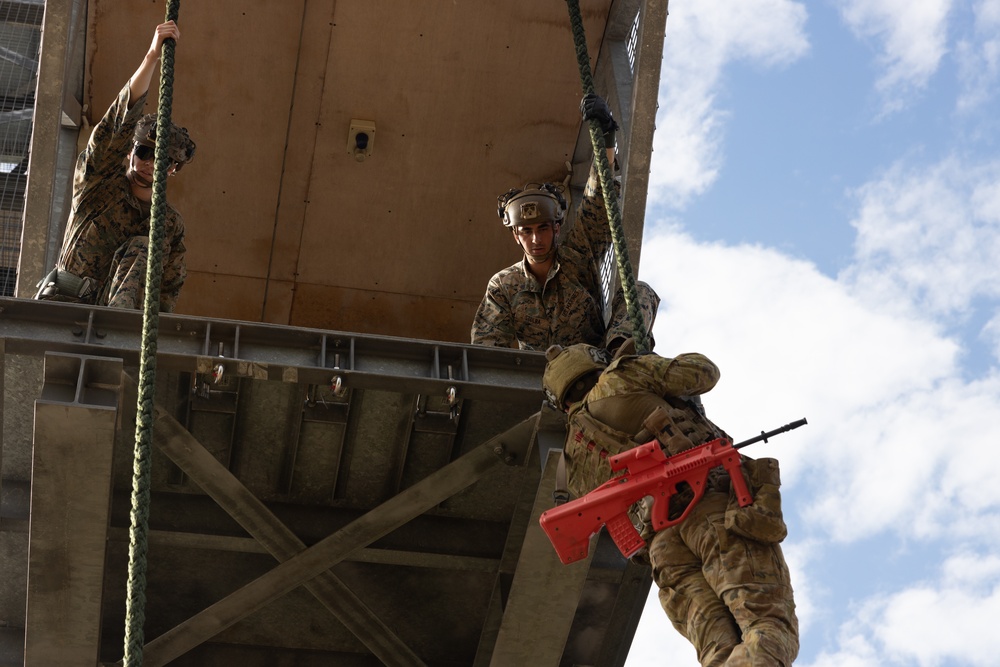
x: 625, y: 273
x: 135, y: 603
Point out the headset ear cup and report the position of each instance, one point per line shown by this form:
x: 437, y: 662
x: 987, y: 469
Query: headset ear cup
x: 557, y: 192
x: 502, y: 202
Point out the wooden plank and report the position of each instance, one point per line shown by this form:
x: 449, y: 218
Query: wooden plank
x: 544, y: 594
x: 71, y: 469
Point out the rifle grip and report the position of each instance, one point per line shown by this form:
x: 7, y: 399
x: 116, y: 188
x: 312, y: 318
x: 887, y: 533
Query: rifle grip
x: 624, y: 534
x: 732, y: 465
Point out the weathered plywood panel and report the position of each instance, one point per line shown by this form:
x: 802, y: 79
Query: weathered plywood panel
x: 469, y: 99
x: 367, y: 311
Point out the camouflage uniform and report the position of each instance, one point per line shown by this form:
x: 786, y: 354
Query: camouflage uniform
x: 567, y: 309
x: 107, y: 234
x: 723, y: 580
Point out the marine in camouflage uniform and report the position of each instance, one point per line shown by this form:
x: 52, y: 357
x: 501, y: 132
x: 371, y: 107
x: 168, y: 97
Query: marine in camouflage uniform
x: 554, y: 296
x: 723, y: 580
x: 107, y: 234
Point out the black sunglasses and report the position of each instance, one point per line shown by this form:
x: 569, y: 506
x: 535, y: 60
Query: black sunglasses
x: 144, y: 152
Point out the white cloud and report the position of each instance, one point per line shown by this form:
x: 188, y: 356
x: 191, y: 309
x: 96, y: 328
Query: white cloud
x: 854, y: 651
x: 990, y: 334
x: 887, y: 407
x: 971, y: 570
x: 909, y: 625
x: 913, y: 40
x: 702, y: 38
x: 978, y: 57
x: 897, y: 441
x: 949, y: 621
x: 771, y: 320
x: 902, y: 425
x: 667, y: 647
x: 928, y: 237
x: 798, y: 555
x: 903, y: 466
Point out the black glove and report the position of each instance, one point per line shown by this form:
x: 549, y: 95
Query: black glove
x: 593, y: 106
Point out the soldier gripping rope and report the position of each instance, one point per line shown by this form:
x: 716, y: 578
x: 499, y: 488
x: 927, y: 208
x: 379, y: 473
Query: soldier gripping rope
x: 722, y: 576
x: 553, y: 296
x: 105, y: 246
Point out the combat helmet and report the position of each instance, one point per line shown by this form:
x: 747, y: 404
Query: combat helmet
x: 536, y: 202
x: 180, y: 148
x: 568, y: 369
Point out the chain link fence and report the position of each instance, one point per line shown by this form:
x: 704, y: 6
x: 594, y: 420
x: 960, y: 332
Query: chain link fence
x: 20, y: 36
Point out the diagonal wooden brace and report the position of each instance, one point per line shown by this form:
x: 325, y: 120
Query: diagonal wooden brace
x: 305, y: 565
x: 222, y: 486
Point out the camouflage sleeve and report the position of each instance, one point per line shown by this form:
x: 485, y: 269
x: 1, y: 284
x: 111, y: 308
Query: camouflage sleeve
x: 591, y: 233
x: 494, y: 322
x: 688, y: 374
x: 174, y: 268
x: 111, y: 138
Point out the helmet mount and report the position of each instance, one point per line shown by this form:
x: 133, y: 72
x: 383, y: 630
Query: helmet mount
x: 534, y: 203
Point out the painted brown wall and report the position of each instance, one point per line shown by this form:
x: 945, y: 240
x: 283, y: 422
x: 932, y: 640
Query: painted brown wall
x: 469, y: 98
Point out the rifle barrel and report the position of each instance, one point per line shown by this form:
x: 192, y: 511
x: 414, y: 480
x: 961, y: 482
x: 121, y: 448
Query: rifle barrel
x: 764, y: 436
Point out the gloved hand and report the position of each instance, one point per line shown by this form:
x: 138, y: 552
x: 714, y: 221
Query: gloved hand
x: 593, y: 106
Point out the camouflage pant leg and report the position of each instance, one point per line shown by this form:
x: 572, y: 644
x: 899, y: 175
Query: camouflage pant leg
x: 766, y: 614
x: 692, y: 606
x: 752, y: 579
x: 126, y: 285
x: 620, y: 325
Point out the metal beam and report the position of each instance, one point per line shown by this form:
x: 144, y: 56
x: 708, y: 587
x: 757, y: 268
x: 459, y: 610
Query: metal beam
x: 544, y: 595
x: 275, y: 352
x: 645, y: 96
x: 419, y: 498
x: 223, y: 487
x: 511, y: 552
x: 629, y: 603
x: 72, y: 456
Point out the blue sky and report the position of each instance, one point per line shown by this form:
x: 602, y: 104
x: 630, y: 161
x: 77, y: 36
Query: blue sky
x: 824, y: 223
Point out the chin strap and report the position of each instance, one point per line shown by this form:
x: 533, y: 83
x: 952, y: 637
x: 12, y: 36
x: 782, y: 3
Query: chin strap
x: 137, y: 180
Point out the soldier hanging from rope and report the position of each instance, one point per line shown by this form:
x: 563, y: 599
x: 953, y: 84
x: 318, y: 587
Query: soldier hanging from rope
x: 554, y: 294
x: 105, y: 247
x: 723, y: 580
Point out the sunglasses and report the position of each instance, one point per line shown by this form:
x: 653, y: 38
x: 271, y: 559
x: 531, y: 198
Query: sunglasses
x: 144, y: 152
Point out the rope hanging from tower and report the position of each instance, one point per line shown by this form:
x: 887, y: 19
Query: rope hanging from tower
x: 135, y: 601
x: 625, y: 272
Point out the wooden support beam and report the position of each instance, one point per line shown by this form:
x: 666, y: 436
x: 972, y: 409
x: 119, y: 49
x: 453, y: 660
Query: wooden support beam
x: 307, y: 564
x: 222, y: 486
x: 74, y: 438
x: 544, y: 594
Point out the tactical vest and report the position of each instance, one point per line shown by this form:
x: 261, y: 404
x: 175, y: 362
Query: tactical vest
x: 677, y: 426
x: 588, y: 448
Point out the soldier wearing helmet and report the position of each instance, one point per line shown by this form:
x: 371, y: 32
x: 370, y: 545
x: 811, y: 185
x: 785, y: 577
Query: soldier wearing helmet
x: 554, y: 295
x: 723, y: 579
x: 105, y: 246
